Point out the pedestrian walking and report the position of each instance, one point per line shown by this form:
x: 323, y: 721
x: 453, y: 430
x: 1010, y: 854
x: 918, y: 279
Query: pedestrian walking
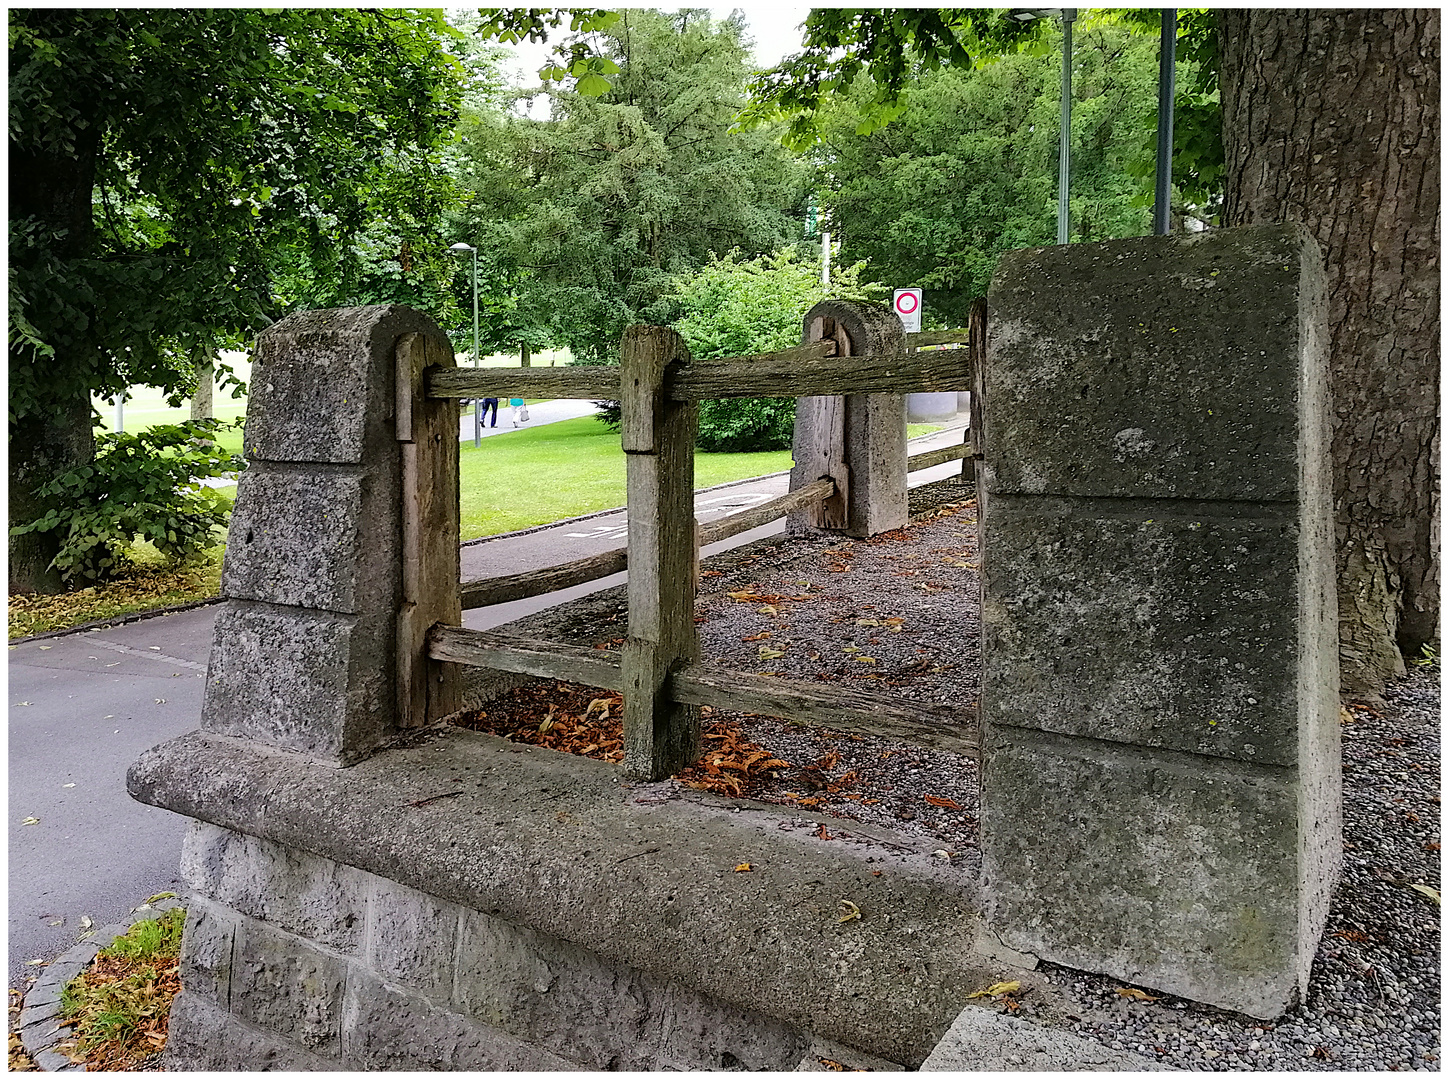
x: 520, y: 411
x: 490, y: 403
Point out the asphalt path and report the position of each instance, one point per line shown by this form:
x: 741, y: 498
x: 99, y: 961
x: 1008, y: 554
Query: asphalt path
x: 84, y: 706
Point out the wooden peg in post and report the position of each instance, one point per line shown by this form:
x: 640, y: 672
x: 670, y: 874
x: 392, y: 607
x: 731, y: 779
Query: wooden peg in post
x: 660, y: 736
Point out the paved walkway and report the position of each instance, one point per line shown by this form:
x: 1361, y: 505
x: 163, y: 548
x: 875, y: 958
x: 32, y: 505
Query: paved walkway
x: 84, y: 706
x: 543, y: 412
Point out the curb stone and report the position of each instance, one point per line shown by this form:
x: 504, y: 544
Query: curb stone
x: 119, y: 620
x: 981, y: 1040
x: 39, y: 1022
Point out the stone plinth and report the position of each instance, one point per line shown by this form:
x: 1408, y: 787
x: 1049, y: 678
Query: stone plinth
x: 304, y: 655
x: 543, y: 915
x: 1161, y: 789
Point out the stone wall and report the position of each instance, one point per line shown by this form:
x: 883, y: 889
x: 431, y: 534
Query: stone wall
x: 1161, y: 781
x: 467, y: 902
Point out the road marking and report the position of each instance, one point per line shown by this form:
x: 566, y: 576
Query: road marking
x: 116, y: 646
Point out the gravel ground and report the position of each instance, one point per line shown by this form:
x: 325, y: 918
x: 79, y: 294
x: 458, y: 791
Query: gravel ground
x: 898, y: 614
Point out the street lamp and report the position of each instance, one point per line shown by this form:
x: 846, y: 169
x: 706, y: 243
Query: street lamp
x: 1064, y: 175
x: 458, y: 249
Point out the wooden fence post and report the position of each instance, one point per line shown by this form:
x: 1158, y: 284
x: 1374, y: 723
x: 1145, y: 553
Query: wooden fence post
x: 857, y: 440
x: 427, y: 430
x: 971, y: 467
x: 660, y: 736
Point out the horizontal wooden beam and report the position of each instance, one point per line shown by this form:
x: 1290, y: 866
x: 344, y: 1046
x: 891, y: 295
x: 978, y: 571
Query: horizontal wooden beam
x: 806, y: 371
x: 813, y: 704
x: 485, y: 592
x: 825, y: 706
x: 917, y: 462
x: 525, y: 656
x: 582, y: 382
x: 938, y: 337
x: 755, y: 516
x: 771, y: 377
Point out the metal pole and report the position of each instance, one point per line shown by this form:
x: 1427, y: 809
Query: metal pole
x: 825, y: 258
x: 1166, y: 80
x: 120, y: 412
x: 1064, y: 179
x: 477, y: 405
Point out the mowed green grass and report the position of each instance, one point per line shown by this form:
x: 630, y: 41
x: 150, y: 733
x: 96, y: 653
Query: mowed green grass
x: 534, y: 476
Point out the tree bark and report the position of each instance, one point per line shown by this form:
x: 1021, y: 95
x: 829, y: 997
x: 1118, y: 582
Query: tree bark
x: 53, y: 432
x: 201, y: 402
x: 1331, y: 119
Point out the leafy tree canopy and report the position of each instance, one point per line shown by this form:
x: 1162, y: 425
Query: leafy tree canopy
x: 969, y: 168
x: 591, y: 214
x: 165, y: 161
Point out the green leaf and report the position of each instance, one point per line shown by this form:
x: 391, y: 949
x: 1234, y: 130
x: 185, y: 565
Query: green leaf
x: 592, y: 85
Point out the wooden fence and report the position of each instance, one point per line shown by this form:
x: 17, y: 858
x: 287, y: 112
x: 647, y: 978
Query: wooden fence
x: 659, y: 671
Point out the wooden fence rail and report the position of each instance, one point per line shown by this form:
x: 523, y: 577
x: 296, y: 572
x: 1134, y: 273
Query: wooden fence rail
x: 806, y: 371
x: 485, y: 592
x: 835, y: 707
x: 658, y: 670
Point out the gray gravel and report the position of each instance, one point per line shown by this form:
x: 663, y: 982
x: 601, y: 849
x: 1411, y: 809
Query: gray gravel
x: 1373, y: 998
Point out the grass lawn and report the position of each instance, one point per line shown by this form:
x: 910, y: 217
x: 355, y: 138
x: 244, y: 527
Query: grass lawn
x: 532, y: 476
x: 536, y: 475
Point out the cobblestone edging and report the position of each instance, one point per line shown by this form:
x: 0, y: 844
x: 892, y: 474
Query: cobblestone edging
x: 39, y: 1024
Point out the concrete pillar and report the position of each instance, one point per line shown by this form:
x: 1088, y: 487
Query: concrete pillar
x: 1161, y: 788
x: 305, y: 652
x: 858, y: 440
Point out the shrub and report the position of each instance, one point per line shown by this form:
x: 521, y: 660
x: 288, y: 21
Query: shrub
x: 738, y: 307
x: 141, y: 484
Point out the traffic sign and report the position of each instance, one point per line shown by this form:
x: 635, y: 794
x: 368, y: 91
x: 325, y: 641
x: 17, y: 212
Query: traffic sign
x: 908, y: 307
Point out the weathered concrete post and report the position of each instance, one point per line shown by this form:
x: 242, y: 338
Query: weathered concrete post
x: 859, y: 440
x: 333, y: 570
x: 1161, y: 785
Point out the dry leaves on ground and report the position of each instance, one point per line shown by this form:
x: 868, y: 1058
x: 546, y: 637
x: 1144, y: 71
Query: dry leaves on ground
x: 586, y: 721
x: 120, y: 1006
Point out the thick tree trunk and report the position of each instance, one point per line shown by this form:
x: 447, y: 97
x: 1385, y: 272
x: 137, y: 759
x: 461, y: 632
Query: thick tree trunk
x: 40, y: 447
x: 1331, y: 118
x: 53, y: 430
x: 201, y: 401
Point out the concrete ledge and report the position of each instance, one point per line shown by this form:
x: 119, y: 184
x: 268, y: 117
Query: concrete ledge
x: 984, y: 1041
x: 558, y: 845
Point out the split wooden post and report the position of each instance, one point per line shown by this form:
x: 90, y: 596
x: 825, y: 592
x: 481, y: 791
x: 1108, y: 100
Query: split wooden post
x: 819, y: 448
x: 972, y: 466
x: 427, y: 431
x: 856, y: 440
x: 660, y: 735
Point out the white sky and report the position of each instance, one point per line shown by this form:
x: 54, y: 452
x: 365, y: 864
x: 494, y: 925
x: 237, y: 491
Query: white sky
x: 775, y: 29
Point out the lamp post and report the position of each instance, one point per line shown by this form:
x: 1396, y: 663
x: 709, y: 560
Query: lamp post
x: 458, y: 249
x: 1064, y: 174
x: 1166, y: 86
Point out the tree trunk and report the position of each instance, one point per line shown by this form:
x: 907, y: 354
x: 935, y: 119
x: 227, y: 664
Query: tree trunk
x: 40, y: 447
x: 52, y: 431
x: 525, y: 355
x: 201, y: 401
x: 1331, y: 119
